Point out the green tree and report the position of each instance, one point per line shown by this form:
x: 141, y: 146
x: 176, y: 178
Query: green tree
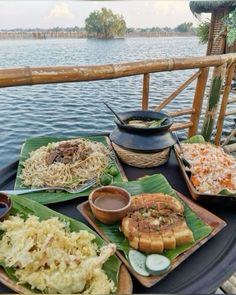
x: 184, y: 27
x: 203, y: 32
x: 229, y: 24
x: 105, y: 24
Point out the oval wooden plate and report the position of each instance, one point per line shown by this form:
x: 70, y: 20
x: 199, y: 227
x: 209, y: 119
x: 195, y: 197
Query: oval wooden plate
x: 125, y: 285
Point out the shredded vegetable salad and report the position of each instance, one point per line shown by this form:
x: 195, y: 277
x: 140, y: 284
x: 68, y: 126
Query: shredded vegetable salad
x: 212, y: 169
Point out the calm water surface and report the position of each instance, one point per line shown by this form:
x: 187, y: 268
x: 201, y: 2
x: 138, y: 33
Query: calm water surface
x: 75, y: 108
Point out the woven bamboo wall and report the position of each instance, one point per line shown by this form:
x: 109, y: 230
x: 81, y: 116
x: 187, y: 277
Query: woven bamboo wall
x: 217, y: 37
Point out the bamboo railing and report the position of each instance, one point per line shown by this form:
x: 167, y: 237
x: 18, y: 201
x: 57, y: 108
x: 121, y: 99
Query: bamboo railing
x: 223, y: 69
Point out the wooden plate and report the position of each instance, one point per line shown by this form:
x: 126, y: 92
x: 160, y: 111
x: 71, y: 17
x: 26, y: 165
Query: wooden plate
x: 125, y: 285
x: 215, y: 222
x: 203, y: 198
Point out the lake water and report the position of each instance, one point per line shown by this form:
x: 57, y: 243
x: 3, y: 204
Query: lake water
x: 75, y: 108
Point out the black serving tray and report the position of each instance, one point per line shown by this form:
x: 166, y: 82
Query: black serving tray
x: 202, y: 273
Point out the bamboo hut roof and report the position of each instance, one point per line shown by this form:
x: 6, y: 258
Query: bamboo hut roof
x: 198, y: 7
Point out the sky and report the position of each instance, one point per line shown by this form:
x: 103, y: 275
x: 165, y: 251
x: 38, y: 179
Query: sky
x: 48, y: 14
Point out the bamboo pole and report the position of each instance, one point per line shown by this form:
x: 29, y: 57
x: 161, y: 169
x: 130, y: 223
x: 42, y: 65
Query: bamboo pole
x: 232, y: 100
x: 227, y: 88
x: 182, y: 112
x: 229, y: 137
x: 210, y: 34
x: 198, y: 100
x: 60, y: 74
x: 178, y: 126
x: 177, y: 91
x: 213, y: 101
x: 146, y: 79
x: 230, y: 113
x: 231, y: 148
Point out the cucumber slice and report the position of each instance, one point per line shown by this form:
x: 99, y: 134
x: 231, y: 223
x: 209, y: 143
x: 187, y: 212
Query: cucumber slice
x: 137, y: 261
x: 157, y: 264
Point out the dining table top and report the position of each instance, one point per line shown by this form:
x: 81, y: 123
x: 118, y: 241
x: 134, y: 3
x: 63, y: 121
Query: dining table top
x: 202, y: 272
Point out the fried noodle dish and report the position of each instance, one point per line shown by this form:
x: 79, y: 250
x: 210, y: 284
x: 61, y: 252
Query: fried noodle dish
x: 66, y: 163
x: 52, y: 259
x: 212, y: 169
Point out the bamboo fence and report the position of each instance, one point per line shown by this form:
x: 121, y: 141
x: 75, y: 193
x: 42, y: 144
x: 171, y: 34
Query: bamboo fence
x: 18, y: 35
x: 223, y: 69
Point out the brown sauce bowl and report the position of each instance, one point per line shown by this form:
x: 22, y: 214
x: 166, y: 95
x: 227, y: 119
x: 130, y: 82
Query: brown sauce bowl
x: 5, y: 206
x: 109, y: 204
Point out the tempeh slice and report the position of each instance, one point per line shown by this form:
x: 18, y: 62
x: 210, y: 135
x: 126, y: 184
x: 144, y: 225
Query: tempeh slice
x: 182, y: 234
x: 133, y: 234
x: 144, y: 237
x: 144, y: 231
x: 170, y: 205
x: 168, y: 239
x: 129, y: 227
x: 138, y: 202
x: 166, y: 200
x: 133, y: 207
x: 157, y: 244
x: 125, y: 226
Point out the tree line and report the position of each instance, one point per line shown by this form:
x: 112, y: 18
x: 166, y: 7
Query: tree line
x: 106, y: 25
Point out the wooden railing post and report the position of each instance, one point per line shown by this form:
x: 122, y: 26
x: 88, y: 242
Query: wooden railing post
x: 227, y: 88
x: 197, y: 101
x: 177, y: 92
x: 213, y: 101
x: 146, y: 78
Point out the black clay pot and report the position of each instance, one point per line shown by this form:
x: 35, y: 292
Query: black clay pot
x: 143, y: 139
x: 144, y: 115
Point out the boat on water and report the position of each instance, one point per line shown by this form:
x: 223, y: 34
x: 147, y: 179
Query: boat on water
x: 192, y: 248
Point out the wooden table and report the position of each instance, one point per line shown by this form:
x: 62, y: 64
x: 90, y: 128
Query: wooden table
x: 203, y: 272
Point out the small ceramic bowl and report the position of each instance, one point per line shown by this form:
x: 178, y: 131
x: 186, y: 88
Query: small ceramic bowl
x: 109, y: 204
x: 5, y: 206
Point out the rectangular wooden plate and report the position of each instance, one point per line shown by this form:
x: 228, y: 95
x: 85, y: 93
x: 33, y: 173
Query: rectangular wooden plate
x: 125, y: 284
x: 205, y: 198
x: 215, y: 222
